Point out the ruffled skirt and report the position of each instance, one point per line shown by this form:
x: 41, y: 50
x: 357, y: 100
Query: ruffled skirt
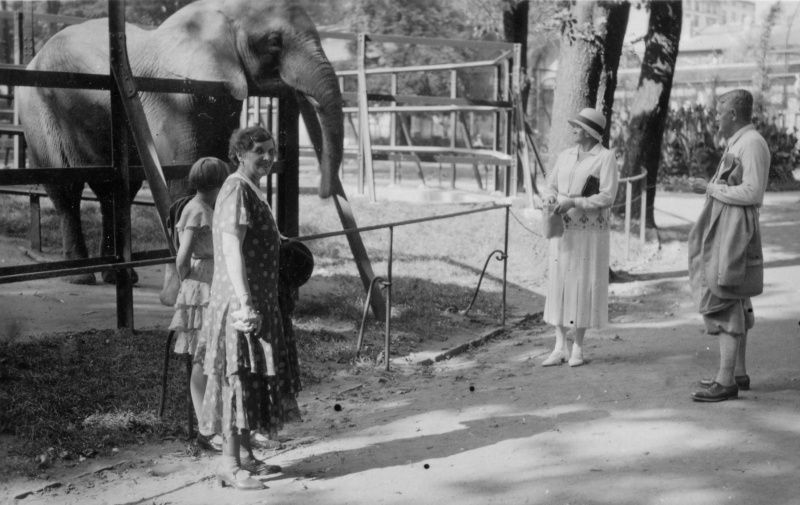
x: 192, y: 301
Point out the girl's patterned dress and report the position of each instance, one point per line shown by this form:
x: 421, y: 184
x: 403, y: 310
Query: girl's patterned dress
x: 195, y: 291
x: 248, y: 373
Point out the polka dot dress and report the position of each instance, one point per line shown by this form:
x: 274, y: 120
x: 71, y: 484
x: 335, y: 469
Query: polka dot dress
x: 241, y: 393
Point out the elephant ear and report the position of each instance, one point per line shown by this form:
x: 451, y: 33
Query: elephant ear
x: 198, y: 42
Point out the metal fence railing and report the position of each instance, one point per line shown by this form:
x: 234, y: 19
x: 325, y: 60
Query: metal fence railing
x: 386, y: 283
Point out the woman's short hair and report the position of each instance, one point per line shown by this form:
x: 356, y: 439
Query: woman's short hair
x: 208, y: 173
x: 243, y: 140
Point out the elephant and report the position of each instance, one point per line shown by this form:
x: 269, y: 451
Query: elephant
x: 242, y: 43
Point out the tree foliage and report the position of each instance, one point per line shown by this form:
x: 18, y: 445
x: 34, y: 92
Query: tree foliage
x: 761, y: 82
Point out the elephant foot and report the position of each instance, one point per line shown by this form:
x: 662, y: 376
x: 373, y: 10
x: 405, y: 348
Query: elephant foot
x: 110, y: 277
x: 85, y: 279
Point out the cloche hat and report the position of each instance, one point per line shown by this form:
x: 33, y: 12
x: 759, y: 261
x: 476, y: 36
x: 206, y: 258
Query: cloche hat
x: 591, y: 120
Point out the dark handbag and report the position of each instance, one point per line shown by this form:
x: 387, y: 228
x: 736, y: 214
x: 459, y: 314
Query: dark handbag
x: 591, y: 187
x: 296, y: 263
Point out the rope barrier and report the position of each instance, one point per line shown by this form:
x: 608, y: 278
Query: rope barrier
x: 521, y: 224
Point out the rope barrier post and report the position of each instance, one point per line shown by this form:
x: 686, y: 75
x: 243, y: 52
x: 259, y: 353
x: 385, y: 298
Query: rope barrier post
x: 389, y: 301
x: 628, y: 189
x: 505, y: 268
x: 643, y: 214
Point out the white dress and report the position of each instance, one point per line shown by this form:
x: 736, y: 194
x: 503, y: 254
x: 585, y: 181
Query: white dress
x: 577, y: 284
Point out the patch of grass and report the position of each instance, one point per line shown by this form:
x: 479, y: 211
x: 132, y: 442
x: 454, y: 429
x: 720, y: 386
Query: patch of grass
x: 89, y: 392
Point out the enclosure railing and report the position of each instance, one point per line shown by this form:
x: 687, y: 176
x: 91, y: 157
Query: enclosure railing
x: 125, y: 105
x: 503, y: 107
x: 122, y: 83
x: 386, y: 283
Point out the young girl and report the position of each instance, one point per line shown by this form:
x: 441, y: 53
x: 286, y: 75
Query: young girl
x: 195, y: 264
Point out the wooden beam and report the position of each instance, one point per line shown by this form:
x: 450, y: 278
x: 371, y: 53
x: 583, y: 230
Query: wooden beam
x: 421, y: 108
x: 476, y: 44
x: 360, y: 255
x: 483, y: 153
x: 424, y: 100
x: 288, y: 195
x: 423, y: 68
x: 19, y: 57
x: 120, y: 94
x: 465, y: 133
x: 134, y: 113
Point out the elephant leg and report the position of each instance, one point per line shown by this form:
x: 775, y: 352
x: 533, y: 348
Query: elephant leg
x: 66, y: 199
x: 105, y: 196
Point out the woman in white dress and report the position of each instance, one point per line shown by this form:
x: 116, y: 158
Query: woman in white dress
x: 582, y: 185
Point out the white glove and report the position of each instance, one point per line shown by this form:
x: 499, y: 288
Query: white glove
x: 246, y: 319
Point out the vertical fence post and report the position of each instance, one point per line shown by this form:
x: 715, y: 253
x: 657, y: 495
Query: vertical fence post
x: 643, y: 213
x: 393, y: 177
x: 507, y: 130
x: 388, y: 340
x: 120, y: 145
x: 35, y: 212
x: 19, y: 59
x: 517, y: 122
x: 453, y: 120
x: 288, y: 194
x: 628, y: 189
x: 505, y: 267
x: 496, y: 126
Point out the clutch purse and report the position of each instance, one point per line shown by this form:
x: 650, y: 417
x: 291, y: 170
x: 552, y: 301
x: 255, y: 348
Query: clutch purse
x: 552, y: 225
x: 591, y: 187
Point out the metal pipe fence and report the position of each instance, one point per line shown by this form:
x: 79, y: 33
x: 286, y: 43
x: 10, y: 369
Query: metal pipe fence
x: 386, y: 283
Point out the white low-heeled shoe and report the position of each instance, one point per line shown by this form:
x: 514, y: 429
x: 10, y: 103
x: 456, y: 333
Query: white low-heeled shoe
x: 576, y: 359
x: 556, y: 357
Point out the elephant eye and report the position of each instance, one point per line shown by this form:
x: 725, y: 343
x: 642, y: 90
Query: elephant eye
x: 269, y: 44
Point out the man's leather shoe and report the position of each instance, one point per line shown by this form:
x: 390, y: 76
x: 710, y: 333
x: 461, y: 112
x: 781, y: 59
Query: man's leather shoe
x: 716, y: 393
x: 743, y: 381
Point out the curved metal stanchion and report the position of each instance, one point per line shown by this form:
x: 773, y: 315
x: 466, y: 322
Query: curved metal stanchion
x: 500, y: 257
x: 164, y: 375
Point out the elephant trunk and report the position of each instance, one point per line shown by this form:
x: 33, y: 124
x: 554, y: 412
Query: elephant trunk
x: 313, y: 75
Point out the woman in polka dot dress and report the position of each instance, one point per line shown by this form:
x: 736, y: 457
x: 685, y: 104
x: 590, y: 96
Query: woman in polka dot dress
x: 246, y: 352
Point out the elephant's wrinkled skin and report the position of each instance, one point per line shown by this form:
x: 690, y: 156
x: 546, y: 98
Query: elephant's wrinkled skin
x: 238, y: 42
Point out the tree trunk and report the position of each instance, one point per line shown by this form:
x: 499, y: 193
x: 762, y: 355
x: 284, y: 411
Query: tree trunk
x: 515, y: 30
x: 578, y: 78
x: 651, y: 102
x: 617, y: 15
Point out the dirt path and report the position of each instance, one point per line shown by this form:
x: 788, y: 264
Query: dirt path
x: 493, y: 426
